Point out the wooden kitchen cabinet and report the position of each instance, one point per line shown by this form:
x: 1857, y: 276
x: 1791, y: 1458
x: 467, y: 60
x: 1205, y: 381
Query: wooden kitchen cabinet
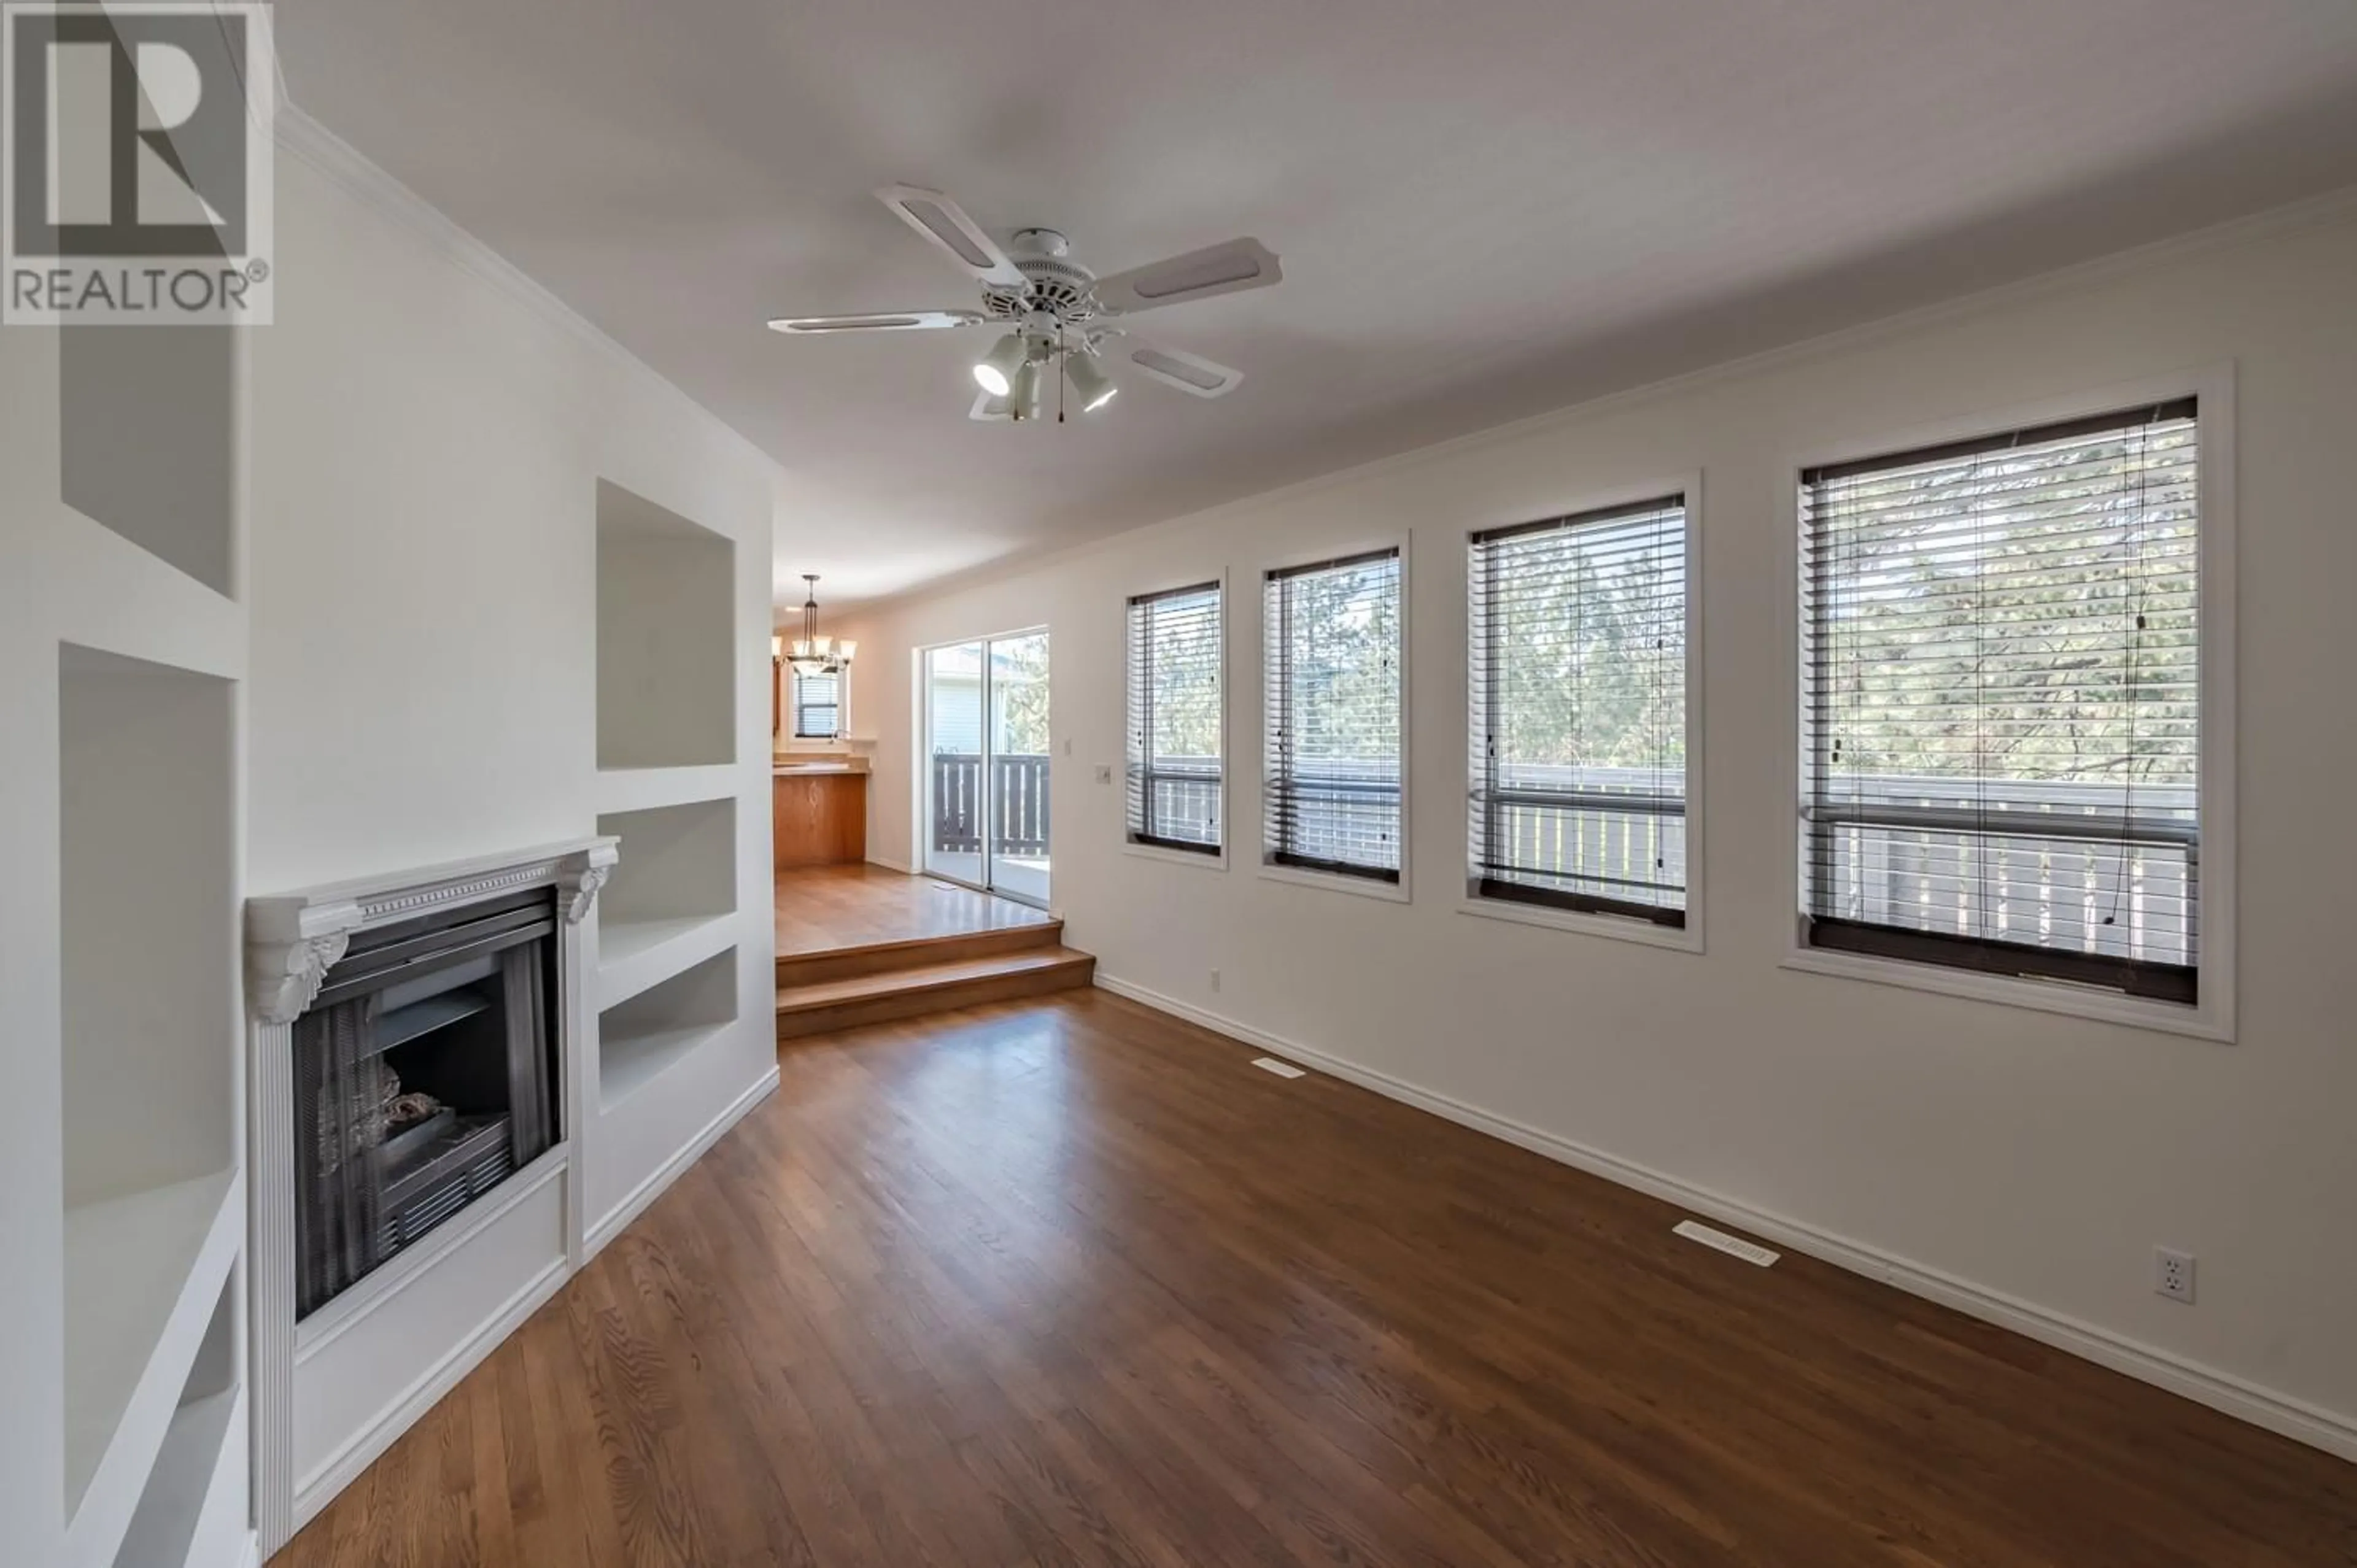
x: 818, y: 817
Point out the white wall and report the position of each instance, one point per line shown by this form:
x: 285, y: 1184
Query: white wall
x: 2033, y: 1156
x: 424, y: 550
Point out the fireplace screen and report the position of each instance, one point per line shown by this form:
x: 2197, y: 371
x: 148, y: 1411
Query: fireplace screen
x: 423, y: 1078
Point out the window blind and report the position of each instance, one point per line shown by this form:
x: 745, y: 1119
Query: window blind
x: 818, y: 706
x: 1330, y: 800
x: 1175, y: 719
x: 2002, y: 723
x: 1578, y: 711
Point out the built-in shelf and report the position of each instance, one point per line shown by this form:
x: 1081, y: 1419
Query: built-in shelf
x: 148, y: 943
x: 148, y: 443
x: 145, y: 1276
x: 666, y: 637
x: 634, y: 955
x: 188, y: 1475
x: 644, y: 788
x: 639, y: 1039
x: 192, y: 1512
x: 672, y: 901
x: 152, y: 1208
x: 124, y: 474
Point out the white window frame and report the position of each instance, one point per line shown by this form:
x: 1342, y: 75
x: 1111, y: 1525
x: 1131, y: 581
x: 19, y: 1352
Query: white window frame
x: 2211, y: 1017
x: 1400, y: 892
x: 1628, y: 928
x: 1201, y: 861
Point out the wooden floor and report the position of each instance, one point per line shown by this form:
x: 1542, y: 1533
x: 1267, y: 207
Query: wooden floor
x: 1068, y: 1282
x: 829, y: 906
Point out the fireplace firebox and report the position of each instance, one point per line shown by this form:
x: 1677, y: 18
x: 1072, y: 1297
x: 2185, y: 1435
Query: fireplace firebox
x: 423, y: 1076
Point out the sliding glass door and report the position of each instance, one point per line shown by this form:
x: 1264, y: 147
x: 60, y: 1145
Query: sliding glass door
x: 986, y: 749
x: 1018, y: 745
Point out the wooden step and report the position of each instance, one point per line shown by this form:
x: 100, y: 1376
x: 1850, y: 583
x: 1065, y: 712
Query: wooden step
x: 845, y: 1004
x: 914, y: 952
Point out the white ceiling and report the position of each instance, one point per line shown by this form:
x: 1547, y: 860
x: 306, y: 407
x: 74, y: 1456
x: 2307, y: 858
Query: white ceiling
x: 1485, y: 208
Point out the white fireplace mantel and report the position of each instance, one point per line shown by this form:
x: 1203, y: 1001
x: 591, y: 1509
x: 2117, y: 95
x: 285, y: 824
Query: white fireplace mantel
x: 292, y: 940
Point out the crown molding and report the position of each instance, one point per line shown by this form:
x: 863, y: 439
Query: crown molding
x: 352, y: 171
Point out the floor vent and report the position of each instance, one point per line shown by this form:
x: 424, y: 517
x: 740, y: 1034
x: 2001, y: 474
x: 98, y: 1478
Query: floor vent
x: 1282, y: 1069
x: 1734, y: 1246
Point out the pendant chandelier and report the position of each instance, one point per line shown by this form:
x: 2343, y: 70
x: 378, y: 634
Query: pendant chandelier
x: 810, y: 653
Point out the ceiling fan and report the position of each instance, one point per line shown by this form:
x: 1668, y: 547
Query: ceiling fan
x: 1062, y: 320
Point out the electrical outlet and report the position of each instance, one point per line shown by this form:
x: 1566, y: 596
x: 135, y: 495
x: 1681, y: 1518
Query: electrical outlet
x: 1215, y: 979
x: 1104, y: 772
x: 2172, y: 1274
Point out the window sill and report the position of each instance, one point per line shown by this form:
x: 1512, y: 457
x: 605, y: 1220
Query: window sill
x: 1177, y: 856
x: 2204, y: 1023
x: 1617, y: 927
x: 1335, y: 882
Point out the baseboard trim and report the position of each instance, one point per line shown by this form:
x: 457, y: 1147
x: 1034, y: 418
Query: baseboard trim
x: 249, y: 1555
x: 2262, y: 1407
x: 342, y: 1467
x: 902, y: 867
x: 619, y: 1218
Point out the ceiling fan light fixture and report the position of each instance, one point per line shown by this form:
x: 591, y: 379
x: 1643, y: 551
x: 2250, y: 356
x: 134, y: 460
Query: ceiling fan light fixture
x: 1030, y: 391
x: 1089, y: 383
x: 996, y: 372
x: 1055, y: 315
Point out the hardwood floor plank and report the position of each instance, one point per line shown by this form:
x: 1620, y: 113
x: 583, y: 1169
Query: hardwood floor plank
x: 1065, y: 1282
x: 830, y: 908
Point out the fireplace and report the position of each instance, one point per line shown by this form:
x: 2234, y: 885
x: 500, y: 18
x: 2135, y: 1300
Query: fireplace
x: 414, y: 1127
x: 423, y: 1073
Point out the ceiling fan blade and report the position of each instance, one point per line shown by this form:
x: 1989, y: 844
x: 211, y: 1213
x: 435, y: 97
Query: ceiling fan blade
x: 992, y: 410
x: 1177, y: 368
x: 945, y: 222
x: 889, y: 321
x: 1198, y: 274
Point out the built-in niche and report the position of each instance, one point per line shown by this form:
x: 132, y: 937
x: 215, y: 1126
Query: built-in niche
x: 148, y: 440
x: 666, y: 637
x: 637, y: 1039
x: 678, y: 871
x: 194, y: 1505
x: 147, y: 933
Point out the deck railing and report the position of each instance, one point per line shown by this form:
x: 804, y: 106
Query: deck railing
x: 1177, y: 798
x: 2102, y: 868
x: 1018, y: 824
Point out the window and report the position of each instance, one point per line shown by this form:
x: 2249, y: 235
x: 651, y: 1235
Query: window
x: 1331, y: 799
x: 1175, y: 719
x: 1578, y: 722
x: 2001, y: 724
x: 818, y: 705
